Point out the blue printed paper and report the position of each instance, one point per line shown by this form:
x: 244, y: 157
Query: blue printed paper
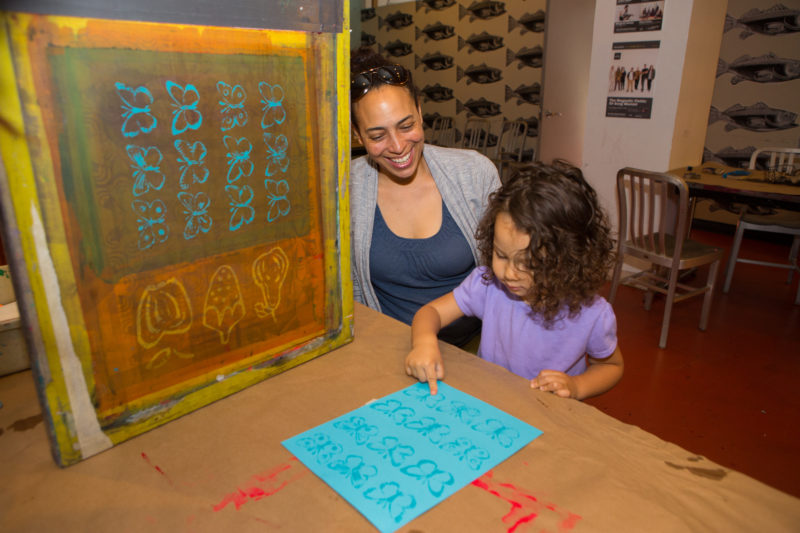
x: 396, y: 457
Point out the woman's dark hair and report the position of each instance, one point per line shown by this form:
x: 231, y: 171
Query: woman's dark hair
x: 571, y: 250
x: 365, y: 58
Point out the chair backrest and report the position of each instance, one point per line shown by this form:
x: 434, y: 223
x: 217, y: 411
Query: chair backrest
x: 476, y: 134
x: 444, y: 134
x: 512, y: 140
x: 780, y: 159
x: 648, y: 218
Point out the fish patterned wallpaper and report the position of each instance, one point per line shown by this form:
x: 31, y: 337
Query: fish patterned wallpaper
x: 480, y: 58
x: 755, y: 102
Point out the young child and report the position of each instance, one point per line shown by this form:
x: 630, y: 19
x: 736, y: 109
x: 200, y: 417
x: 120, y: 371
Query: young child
x: 546, y: 249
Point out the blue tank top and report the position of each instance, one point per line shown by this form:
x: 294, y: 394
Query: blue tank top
x: 408, y: 273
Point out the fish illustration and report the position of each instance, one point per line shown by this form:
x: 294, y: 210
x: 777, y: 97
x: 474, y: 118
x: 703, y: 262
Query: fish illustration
x: 529, y: 21
x: 482, y: 73
x: 437, y: 61
x: 757, y: 117
x: 437, y: 93
x: 483, y: 42
x: 429, y: 118
x: 436, y: 32
x: 367, y: 39
x: 736, y: 157
x: 768, y: 68
x: 434, y: 5
x: 481, y: 107
x: 531, y: 57
x: 367, y: 14
x: 396, y: 20
x: 485, y: 10
x: 772, y: 21
x: 531, y: 94
x: 533, y: 125
x: 395, y: 48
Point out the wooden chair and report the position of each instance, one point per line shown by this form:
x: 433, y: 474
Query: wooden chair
x: 510, y: 145
x: 476, y: 134
x: 444, y: 134
x: 786, y: 222
x: 651, y: 230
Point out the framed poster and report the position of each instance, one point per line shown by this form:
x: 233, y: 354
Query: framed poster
x: 174, y: 197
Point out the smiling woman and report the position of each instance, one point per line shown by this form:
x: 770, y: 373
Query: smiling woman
x: 414, y: 207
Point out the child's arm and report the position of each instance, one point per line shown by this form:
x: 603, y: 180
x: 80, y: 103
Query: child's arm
x: 424, y: 362
x: 600, y: 376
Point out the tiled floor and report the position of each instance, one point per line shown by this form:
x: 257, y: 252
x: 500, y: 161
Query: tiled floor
x: 731, y: 393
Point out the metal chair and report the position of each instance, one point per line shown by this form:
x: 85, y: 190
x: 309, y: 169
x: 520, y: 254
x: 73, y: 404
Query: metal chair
x: 444, y: 134
x: 786, y: 222
x: 651, y: 230
x: 476, y: 134
x: 511, y: 145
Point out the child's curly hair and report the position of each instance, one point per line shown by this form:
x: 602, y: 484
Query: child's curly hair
x: 571, y: 249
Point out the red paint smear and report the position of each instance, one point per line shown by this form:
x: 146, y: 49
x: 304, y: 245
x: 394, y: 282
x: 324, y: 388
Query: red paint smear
x: 157, y: 468
x: 525, y: 507
x: 263, y: 485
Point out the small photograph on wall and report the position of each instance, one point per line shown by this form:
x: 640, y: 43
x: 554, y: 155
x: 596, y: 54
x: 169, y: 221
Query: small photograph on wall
x: 638, y: 15
x: 631, y: 79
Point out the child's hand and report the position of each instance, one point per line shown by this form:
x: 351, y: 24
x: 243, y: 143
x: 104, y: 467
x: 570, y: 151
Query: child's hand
x: 425, y: 364
x: 556, y: 382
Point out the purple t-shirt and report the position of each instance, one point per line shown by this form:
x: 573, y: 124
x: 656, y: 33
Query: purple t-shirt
x: 512, y: 339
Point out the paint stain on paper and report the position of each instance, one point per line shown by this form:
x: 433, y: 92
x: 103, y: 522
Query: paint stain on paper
x: 24, y: 424
x: 716, y: 474
x: 526, y: 508
x: 157, y: 468
x: 264, y: 484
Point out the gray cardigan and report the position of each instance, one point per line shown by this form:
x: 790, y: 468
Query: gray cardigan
x: 464, y: 178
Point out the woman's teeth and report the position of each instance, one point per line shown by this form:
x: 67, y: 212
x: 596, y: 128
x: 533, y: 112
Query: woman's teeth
x: 401, y: 160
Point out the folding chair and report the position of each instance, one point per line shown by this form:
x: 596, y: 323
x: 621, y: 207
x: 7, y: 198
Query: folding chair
x: 511, y: 145
x: 476, y: 134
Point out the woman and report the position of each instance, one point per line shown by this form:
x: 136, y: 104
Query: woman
x: 414, y: 207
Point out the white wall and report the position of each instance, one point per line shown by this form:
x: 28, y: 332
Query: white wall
x: 612, y: 143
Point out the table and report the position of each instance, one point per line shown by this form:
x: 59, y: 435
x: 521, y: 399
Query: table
x: 222, y: 468
x: 753, y: 189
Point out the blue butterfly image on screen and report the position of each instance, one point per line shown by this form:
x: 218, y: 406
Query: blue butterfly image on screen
x: 239, y: 163
x: 192, y: 160
x: 277, y: 159
x: 232, y: 100
x: 272, y: 104
x: 195, y: 207
x: 136, y: 110
x: 240, y: 198
x: 185, y: 116
x: 146, y: 164
x: 278, y: 202
x: 150, y: 222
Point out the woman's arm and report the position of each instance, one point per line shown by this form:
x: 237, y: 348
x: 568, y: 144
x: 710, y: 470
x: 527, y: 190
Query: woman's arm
x: 424, y: 362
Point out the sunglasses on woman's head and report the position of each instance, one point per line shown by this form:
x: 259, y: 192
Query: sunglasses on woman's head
x: 389, y: 75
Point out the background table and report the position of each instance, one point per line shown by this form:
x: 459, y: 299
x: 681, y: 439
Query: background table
x: 222, y: 468
x: 753, y: 189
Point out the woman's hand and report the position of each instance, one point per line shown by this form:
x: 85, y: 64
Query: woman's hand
x: 424, y: 362
x: 556, y: 382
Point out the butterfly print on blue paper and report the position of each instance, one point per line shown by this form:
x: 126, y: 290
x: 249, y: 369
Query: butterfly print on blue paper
x: 195, y: 207
x: 146, y: 164
x: 277, y: 159
x: 277, y: 201
x: 150, y: 222
x: 184, y: 100
x: 192, y: 160
x: 428, y: 472
x: 232, y: 102
x: 389, y: 496
x: 354, y: 469
x: 239, y: 163
x: 241, y: 210
x: 136, y: 110
x: 271, y: 104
